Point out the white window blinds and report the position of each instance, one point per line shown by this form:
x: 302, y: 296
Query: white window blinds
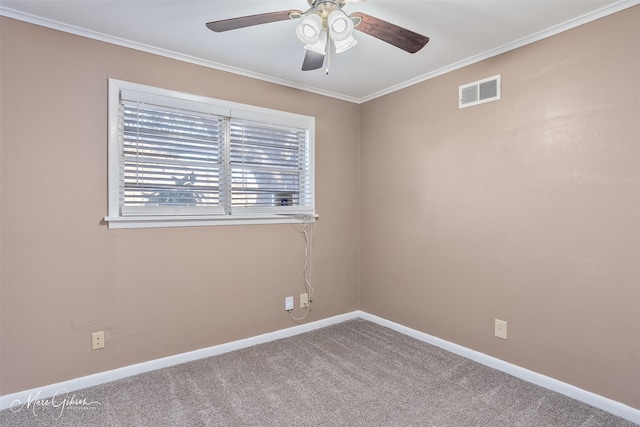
x: 269, y: 166
x: 170, y: 160
x: 183, y: 156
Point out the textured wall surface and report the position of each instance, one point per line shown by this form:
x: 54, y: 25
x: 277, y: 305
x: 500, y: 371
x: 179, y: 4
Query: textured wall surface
x: 155, y: 292
x: 525, y: 209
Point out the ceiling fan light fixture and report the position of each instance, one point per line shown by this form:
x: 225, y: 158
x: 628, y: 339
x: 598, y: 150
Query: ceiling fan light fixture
x: 340, y: 25
x: 344, y: 45
x: 320, y: 45
x: 325, y: 23
x: 310, y: 29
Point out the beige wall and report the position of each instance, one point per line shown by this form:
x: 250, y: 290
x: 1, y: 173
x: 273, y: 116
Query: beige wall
x: 525, y: 209
x: 156, y: 292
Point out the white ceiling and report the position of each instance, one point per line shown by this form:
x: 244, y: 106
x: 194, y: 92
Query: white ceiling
x: 461, y: 32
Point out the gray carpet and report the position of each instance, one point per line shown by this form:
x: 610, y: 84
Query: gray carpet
x: 356, y: 373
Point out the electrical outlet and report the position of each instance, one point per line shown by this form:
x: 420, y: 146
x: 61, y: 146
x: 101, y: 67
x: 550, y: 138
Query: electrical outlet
x: 97, y: 340
x: 288, y: 303
x: 304, y: 300
x: 501, y: 329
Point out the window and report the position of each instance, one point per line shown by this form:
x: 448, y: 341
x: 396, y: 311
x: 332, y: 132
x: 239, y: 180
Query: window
x: 177, y: 159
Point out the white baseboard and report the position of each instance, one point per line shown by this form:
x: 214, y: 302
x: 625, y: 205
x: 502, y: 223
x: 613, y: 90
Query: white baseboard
x: 49, y: 391
x: 576, y: 393
x: 600, y: 402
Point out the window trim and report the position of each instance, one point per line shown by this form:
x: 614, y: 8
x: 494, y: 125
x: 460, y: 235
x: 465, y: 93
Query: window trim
x: 114, y: 218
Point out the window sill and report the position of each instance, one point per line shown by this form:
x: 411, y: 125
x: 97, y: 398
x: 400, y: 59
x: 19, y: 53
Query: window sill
x: 204, y: 221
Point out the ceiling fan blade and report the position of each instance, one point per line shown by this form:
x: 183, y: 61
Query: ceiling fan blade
x: 312, y: 60
x: 399, y: 37
x: 248, y: 21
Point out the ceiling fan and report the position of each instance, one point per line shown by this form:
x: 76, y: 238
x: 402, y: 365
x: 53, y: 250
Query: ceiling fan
x: 325, y: 23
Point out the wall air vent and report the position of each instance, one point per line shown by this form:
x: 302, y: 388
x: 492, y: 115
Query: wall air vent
x: 479, y: 92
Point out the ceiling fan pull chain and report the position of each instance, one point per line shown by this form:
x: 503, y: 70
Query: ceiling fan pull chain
x: 326, y: 72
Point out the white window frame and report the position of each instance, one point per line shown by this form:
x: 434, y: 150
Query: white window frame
x: 238, y: 216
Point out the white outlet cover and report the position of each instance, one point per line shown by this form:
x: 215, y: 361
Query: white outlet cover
x: 304, y: 300
x: 288, y: 303
x: 500, y: 330
x: 97, y: 340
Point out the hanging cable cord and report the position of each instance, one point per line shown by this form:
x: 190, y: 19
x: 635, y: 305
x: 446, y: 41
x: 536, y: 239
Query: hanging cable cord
x: 308, y: 231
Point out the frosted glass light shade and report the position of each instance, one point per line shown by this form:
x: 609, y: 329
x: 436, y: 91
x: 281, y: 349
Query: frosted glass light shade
x: 346, y: 44
x: 309, y: 29
x: 320, y: 45
x: 340, y: 26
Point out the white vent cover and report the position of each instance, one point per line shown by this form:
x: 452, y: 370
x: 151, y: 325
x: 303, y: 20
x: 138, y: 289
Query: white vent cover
x: 479, y: 92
